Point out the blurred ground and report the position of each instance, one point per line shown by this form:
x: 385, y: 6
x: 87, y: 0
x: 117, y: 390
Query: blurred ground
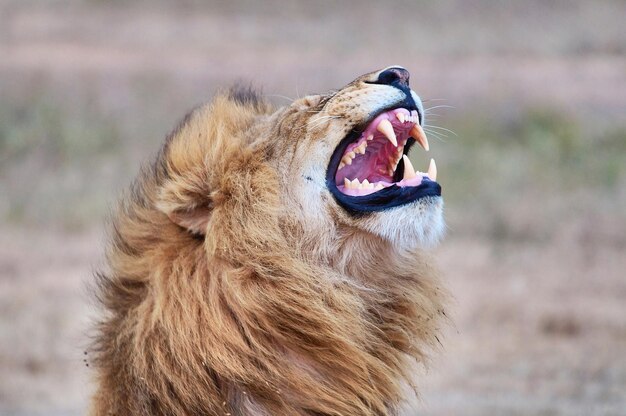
x: 535, y: 181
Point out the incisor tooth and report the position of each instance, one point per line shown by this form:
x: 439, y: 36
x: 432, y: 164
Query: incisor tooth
x: 386, y: 128
x: 432, y: 170
x: 409, y: 171
x: 400, y: 117
x: 417, y: 132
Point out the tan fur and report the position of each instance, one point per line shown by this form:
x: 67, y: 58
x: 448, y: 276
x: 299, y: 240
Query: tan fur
x: 236, y: 285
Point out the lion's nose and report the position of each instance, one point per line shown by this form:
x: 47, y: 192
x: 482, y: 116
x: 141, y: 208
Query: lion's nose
x: 392, y: 76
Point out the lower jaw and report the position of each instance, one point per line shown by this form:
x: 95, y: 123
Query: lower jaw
x: 413, y: 182
x: 390, y: 197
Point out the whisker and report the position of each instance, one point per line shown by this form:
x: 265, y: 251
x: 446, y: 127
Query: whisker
x: 442, y: 128
x: 322, y: 118
x: 439, y: 106
x: 280, y: 96
x: 318, y: 121
x: 439, y: 136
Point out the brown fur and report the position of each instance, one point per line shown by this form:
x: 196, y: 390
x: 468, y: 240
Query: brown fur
x: 223, y: 296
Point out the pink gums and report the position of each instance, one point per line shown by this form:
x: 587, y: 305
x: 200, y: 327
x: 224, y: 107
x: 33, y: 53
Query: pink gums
x: 373, y: 165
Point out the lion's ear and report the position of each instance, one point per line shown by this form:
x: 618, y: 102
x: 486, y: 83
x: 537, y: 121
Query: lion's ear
x: 188, y: 208
x: 195, y: 220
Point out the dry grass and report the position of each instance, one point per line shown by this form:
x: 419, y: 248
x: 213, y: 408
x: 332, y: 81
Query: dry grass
x: 534, y: 182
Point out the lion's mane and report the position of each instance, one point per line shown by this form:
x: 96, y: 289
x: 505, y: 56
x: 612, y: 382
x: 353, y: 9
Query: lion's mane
x: 249, y: 318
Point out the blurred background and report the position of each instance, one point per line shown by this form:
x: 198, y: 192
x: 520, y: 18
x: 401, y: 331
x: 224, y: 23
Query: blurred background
x: 527, y: 108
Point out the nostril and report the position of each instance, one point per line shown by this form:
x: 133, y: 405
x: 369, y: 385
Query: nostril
x: 394, y: 75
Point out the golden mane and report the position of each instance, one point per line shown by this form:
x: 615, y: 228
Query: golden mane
x: 219, y: 300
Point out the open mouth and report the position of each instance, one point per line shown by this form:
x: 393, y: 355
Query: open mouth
x: 370, y: 169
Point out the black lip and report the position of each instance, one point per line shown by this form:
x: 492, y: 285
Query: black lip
x: 389, y: 197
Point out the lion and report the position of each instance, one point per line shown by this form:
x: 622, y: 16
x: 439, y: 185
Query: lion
x: 272, y: 261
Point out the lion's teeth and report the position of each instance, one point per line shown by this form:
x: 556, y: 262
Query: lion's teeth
x: 341, y: 165
x: 347, y: 160
x: 432, y: 170
x: 370, y: 137
x: 409, y: 171
x: 386, y: 128
x: 379, y: 186
x: 417, y: 132
x: 346, y: 183
x: 400, y: 117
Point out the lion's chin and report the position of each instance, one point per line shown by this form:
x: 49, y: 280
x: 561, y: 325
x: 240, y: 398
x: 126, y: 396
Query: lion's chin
x: 418, y: 224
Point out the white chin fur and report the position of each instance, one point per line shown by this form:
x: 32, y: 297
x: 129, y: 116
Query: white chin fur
x: 418, y: 224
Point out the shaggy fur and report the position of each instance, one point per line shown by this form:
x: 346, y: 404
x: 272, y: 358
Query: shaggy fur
x: 237, y: 286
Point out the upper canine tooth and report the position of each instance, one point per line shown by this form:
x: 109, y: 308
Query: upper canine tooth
x: 417, y: 132
x: 386, y: 128
x: 409, y: 171
x: 400, y: 117
x: 432, y: 170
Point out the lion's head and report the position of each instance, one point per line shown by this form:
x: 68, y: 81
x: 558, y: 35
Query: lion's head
x: 340, y: 159
x: 269, y: 261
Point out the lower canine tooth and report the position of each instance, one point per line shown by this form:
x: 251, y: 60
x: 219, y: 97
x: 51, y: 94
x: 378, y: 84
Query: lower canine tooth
x: 432, y: 170
x: 409, y: 171
x: 386, y: 128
